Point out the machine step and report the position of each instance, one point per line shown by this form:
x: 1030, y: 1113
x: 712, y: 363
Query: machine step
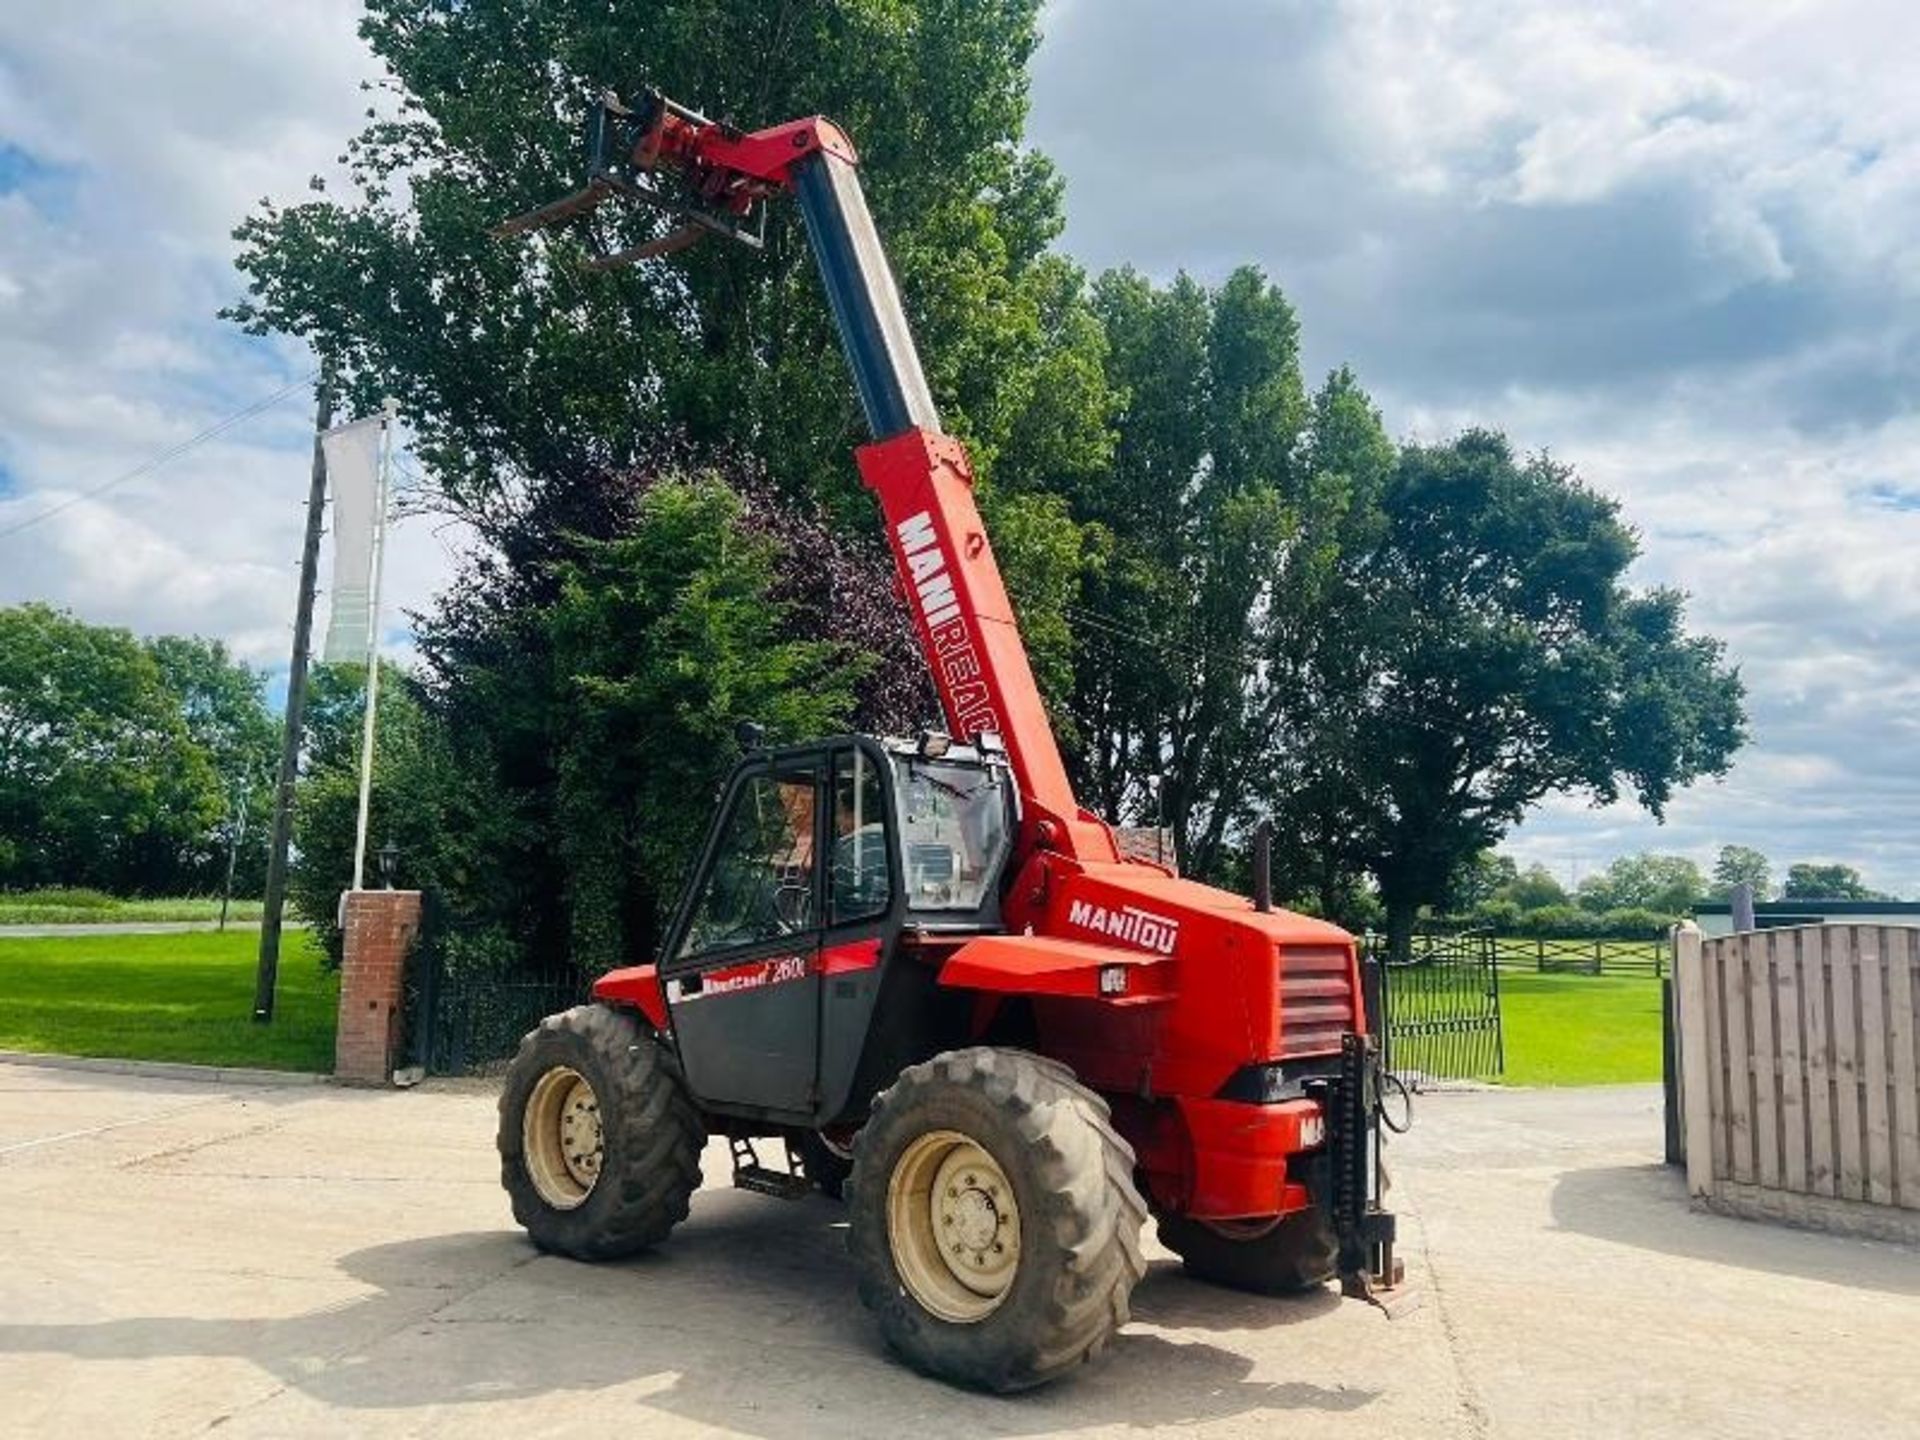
x: 749, y: 1174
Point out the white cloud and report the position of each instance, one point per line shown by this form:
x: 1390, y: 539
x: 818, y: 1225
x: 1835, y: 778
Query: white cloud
x: 1679, y: 245
x: 1676, y: 245
x: 136, y: 136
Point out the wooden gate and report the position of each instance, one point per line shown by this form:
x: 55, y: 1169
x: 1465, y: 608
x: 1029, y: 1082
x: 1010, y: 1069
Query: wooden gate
x: 1798, y: 1074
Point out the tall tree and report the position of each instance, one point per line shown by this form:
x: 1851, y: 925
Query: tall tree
x: 223, y: 703
x: 100, y: 781
x: 1741, y: 865
x: 1668, y: 884
x: 520, y: 367
x: 1818, y: 880
x: 1208, y: 521
x: 1482, y: 652
x: 553, y: 764
x: 515, y: 362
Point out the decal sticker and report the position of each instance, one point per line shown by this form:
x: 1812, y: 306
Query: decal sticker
x: 754, y: 975
x: 955, y: 659
x: 1130, y: 925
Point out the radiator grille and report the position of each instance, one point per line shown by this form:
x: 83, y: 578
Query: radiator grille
x: 1316, y: 1000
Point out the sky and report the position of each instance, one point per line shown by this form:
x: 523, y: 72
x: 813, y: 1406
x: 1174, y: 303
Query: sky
x: 1676, y: 246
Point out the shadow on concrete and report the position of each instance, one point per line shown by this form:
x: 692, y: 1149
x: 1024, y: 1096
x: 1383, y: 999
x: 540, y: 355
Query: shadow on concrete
x: 748, y: 1320
x: 1646, y: 1206
x: 1166, y: 1297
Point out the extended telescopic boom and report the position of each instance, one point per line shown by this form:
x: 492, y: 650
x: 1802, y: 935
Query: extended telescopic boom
x: 714, y: 179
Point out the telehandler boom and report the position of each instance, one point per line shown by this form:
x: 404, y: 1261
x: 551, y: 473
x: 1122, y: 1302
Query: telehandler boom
x: 922, y: 965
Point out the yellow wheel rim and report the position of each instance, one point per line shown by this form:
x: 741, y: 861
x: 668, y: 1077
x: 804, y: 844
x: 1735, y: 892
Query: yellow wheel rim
x: 561, y: 1138
x: 954, y: 1226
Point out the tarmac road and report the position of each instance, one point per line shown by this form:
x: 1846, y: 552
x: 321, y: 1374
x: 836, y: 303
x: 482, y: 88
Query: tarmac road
x: 180, y: 1257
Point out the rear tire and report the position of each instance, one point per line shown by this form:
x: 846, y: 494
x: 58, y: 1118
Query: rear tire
x: 994, y: 1221
x: 1298, y: 1254
x: 599, y: 1142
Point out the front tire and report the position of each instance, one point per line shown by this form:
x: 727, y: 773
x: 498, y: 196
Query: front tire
x: 599, y: 1142
x: 994, y: 1221
x: 1297, y: 1253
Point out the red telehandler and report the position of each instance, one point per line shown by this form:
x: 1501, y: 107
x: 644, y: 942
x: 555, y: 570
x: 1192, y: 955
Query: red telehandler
x: 925, y: 971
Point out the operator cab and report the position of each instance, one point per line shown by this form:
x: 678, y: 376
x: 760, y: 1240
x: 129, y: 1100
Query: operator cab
x: 922, y: 827
x: 821, y: 858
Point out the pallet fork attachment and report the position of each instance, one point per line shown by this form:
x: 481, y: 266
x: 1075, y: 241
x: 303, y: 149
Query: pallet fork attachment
x: 625, y: 150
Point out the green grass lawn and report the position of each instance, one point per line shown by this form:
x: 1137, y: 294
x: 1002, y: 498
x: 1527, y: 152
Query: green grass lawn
x: 1580, y: 1029
x: 182, y: 997
x: 90, y: 907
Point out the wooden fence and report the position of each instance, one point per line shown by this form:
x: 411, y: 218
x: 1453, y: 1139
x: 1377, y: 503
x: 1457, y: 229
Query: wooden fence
x: 1798, y: 1076
x: 1584, y: 957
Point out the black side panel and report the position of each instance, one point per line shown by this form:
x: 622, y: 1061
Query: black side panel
x: 910, y: 1017
x: 846, y: 1010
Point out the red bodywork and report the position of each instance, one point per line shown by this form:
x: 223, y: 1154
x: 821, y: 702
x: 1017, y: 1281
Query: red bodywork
x: 1156, y: 990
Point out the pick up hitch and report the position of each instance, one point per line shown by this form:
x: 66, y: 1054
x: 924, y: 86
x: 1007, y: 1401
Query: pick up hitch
x: 1352, y: 1180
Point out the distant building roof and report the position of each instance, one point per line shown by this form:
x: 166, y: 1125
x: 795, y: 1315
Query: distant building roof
x: 1814, y: 907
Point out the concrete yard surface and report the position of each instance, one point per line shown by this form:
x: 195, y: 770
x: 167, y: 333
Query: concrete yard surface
x: 184, y: 1257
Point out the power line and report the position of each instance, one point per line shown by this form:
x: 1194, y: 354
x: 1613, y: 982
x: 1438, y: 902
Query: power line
x: 173, y: 452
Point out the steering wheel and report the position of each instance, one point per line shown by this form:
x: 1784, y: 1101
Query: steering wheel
x: 792, y: 906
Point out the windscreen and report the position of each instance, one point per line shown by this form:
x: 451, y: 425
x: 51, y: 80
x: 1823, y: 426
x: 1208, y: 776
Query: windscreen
x: 953, y: 832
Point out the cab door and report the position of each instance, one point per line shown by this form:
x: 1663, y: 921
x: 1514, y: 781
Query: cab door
x: 862, y: 917
x: 743, y: 982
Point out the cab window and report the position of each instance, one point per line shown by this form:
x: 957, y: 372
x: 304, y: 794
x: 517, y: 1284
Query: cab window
x: 762, y: 882
x: 861, y: 887
x: 954, y: 832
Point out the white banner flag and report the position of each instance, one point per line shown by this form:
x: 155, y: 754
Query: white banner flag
x: 353, y: 473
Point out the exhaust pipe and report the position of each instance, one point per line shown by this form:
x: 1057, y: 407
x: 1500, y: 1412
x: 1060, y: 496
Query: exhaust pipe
x: 1263, y: 866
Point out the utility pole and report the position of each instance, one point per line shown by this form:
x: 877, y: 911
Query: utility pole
x: 282, y: 835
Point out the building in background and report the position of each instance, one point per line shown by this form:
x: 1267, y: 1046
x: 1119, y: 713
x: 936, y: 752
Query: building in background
x: 1715, y: 917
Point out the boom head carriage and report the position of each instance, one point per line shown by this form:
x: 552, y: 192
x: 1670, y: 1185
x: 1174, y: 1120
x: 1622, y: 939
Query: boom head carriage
x: 708, y: 176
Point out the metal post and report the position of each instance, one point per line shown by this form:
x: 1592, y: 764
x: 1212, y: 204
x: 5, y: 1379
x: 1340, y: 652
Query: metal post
x: 236, y: 831
x: 276, y: 888
x: 1675, y: 1149
x: 373, y: 646
x: 1741, y: 904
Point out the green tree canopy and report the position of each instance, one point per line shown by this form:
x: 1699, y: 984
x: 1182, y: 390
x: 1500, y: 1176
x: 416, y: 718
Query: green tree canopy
x: 1741, y: 865
x: 1483, y: 878
x: 101, y: 781
x: 1535, y: 888
x: 553, y: 767
x: 1228, y: 493
x: 1667, y: 884
x: 513, y: 360
x: 1477, y: 651
x: 1826, y: 880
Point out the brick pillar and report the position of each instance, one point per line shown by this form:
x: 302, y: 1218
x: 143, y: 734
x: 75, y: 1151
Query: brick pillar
x: 379, y: 926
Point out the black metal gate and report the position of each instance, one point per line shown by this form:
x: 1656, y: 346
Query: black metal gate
x: 469, y: 1000
x: 1442, y: 1007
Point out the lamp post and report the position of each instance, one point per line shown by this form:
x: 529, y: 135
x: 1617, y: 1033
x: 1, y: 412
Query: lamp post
x: 389, y: 858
